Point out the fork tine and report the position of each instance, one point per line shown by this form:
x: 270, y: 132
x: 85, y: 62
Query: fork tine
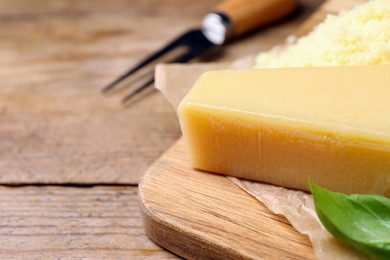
x: 137, y: 90
x: 187, y: 56
x: 182, y: 59
x: 175, y: 43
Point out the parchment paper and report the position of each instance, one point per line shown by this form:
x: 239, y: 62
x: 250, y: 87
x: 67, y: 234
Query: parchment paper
x: 174, y: 81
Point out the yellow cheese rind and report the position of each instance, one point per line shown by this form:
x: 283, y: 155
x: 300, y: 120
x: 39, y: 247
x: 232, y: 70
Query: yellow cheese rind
x: 282, y: 126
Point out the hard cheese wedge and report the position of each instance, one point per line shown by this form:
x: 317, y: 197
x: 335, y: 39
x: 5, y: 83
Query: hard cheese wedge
x: 281, y: 126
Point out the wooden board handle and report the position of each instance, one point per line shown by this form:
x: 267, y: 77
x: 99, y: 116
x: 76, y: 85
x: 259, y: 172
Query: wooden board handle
x: 247, y: 15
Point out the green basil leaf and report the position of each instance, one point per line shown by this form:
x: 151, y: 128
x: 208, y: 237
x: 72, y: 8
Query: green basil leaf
x: 362, y: 221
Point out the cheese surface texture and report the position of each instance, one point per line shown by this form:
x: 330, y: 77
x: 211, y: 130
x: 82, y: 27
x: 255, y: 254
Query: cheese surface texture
x: 282, y: 126
x: 357, y: 37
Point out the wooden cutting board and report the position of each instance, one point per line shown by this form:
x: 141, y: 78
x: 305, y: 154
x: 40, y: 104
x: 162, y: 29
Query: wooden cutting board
x: 199, y: 215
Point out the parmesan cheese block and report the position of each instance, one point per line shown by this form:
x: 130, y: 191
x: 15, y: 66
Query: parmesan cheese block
x: 282, y: 126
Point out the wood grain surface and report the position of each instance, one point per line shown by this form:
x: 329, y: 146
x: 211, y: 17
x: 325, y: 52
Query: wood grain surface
x: 79, y: 223
x: 56, y: 127
x: 214, y: 218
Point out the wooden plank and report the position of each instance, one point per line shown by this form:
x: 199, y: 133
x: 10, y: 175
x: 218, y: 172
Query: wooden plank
x: 66, y: 222
x: 212, y: 217
x: 135, y: 7
x: 55, y: 126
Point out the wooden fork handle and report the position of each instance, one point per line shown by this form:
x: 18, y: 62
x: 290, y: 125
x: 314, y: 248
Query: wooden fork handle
x: 246, y: 15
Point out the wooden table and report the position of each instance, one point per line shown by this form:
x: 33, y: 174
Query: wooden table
x: 70, y: 158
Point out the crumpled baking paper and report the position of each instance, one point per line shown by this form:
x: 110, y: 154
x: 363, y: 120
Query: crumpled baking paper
x: 174, y: 81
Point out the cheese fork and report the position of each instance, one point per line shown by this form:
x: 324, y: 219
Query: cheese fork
x: 228, y: 20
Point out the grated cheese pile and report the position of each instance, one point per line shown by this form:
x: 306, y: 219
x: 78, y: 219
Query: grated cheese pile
x: 358, y: 37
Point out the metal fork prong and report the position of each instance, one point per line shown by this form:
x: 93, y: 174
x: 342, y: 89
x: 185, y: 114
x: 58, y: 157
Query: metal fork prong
x: 175, y: 43
x: 182, y: 59
x: 186, y: 57
x: 137, y: 90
